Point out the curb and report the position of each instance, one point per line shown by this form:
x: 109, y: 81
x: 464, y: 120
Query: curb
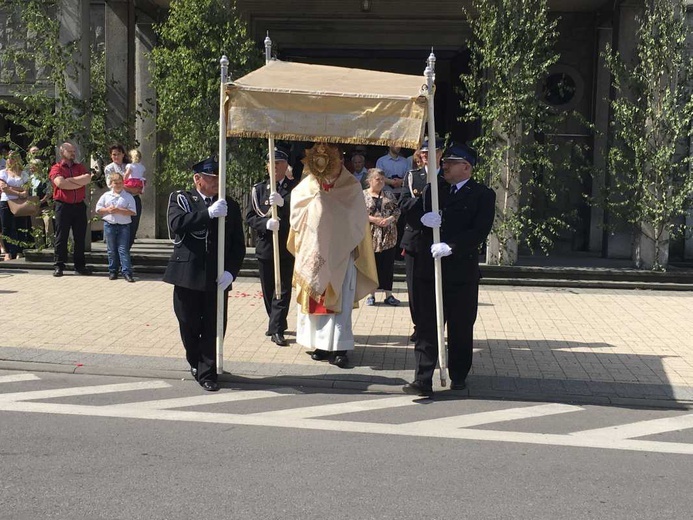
x: 335, y: 384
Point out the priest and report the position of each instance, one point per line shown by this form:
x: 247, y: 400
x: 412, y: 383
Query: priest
x: 334, y: 261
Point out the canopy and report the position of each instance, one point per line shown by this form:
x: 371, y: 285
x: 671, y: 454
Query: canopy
x: 300, y: 102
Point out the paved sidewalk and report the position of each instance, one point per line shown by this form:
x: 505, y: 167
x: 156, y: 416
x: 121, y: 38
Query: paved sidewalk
x: 612, y: 346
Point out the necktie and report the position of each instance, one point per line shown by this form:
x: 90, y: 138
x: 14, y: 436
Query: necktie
x: 208, y: 201
x: 453, y: 189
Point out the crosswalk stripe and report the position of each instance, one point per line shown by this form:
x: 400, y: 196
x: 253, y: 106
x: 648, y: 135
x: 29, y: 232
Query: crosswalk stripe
x: 582, y: 441
x: 308, y: 412
x: 82, y: 390
x: 496, y: 416
x: 15, y: 378
x: 197, y: 400
x: 641, y: 428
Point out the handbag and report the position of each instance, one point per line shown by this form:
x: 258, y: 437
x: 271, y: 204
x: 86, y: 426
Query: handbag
x: 25, y: 207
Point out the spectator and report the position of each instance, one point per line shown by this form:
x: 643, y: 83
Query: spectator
x: 41, y: 189
x: 134, y: 172
x: 117, y: 207
x: 358, y: 163
x: 134, y: 185
x: 117, y: 164
x: 383, y: 213
x: 395, y: 167
x: 69, y: 180
x: 12, y: 185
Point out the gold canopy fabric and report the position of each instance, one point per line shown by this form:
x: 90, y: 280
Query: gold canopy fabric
x: 300, y: 102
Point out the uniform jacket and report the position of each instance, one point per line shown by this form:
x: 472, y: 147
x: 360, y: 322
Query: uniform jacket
x: 193, y: 263
x: 467, y: 218
x: 414, y: 183
x: 258, y: 222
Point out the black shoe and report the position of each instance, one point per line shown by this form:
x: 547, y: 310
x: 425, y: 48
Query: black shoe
x: 128, y: 277
x: 279, y: 340
x: 318, y: 355
x: 418, y: 388
x: 458, y: 385
x: 193, y: 372
x: 414, y: 337
x: 112, y: 276
x: 210, y: 386
x: 268, y: 333
x: 84, y: 271
x: 340, y: 360
x: 58, y: 271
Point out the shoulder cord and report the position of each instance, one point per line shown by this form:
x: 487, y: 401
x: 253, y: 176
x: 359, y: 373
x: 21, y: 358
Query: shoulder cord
x: 183, y: 204
x: 256, y: 205
x: 410, y: 182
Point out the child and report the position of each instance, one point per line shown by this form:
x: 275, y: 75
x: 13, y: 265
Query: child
x: 116, y: 208
x: 134, y: 172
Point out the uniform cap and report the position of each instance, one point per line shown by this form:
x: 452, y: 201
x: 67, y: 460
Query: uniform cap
x: 460, y: 152
x: 439, y: 144
x: 279, y: 155
x: 208, y: 166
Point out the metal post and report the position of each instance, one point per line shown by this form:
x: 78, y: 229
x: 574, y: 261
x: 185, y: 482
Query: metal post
x: 221, y: 247
x: 433, y: 180
x: 273, y: 189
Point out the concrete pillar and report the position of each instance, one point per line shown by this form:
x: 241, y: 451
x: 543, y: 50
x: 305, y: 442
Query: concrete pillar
x: 602, y: 87
x: 620, y: 243
x: 74, y: 27
x: 120, y: 64
x: 145, y: 126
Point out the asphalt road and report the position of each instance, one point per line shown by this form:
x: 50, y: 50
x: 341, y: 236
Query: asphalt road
x: 87, y: 447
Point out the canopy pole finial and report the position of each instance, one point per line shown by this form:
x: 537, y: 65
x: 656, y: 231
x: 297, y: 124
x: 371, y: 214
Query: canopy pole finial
x: 224, y: 62
x: 268, y: 48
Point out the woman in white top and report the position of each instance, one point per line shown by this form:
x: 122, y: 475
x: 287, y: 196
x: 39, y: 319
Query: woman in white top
x: 12, y: 187
x: 117, y: 154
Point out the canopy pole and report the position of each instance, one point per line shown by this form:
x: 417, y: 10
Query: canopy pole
x: 430, y: 74
x: 221, y: 247
x: 273, y: 189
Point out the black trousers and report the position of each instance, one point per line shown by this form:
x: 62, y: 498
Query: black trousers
x: 135, y: 221
x: 460, y: 303
x: 70, y: 217
x: 196, y: 312
x: 9, y: 230
x: 277, y: 308
x: 385, y: 265
x: 409, y: 260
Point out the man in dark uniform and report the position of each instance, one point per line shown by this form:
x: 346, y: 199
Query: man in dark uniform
x: 192, y: 268
x: 467, y: 213
x: 259, y: 218
x: 414, y: 183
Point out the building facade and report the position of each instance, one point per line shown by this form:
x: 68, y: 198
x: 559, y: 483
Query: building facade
x: 394, y: 36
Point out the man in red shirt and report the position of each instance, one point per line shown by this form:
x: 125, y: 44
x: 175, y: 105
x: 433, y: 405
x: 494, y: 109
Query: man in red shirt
x: 69, y: 179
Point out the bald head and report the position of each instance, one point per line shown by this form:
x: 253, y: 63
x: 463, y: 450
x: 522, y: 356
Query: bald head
x: 67, y: 152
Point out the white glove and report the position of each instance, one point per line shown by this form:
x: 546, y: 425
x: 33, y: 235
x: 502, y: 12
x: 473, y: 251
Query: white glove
x: 272, y: 224
x: 276, y: 200
x: 431, y: 219
x: 225, y: 280
x: 440, y: 250
x: 218, y: 209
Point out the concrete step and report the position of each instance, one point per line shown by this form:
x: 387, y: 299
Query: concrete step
x: 151, y: 256
x: 249, y: 270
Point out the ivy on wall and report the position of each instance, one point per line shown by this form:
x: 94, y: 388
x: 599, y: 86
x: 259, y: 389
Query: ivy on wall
x: 649, y: 160
x: 512, y: 49
x: 186, y: 76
